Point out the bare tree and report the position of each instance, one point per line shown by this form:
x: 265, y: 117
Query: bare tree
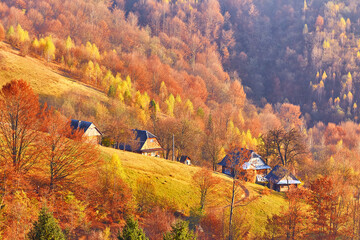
x: 64, y: 150
x: 284, y: 146
x: 205, y: 183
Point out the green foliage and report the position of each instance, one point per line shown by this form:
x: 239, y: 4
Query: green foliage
x: 112, y: 91
x: 46, y: 228
x: 196, y: 214
x: 180, y: 231
x: 132, y: 231
x: 200, y: 112
x: 154, y: 106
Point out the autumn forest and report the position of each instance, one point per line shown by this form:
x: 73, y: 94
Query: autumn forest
x: 207, y: 78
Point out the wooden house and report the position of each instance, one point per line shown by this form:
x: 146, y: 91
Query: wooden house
x: 251, y: 163
x: 145, y: 143
x: 185, y: 160
x: 91, y: 132
x: 280, y: 179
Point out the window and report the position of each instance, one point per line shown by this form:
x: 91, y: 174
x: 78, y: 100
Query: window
x: 152, y: 140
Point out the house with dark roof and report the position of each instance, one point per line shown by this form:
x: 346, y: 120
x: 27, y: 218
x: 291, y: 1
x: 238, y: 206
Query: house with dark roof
x: 280, y: 179
x: 91, y: 132
x: 185, y: 160
x: 145, y: 143
x: 250, y: 162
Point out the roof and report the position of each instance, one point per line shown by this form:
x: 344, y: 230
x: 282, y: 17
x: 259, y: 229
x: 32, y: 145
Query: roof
x: 280, y: 175
x: 77, y: 124
x: 251, y: 160
x: 141, y: 137
x: 184, y: 158
x: 83, y: 125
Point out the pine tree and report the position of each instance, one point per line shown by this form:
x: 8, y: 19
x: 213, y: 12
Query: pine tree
x: 132, y: 231
x: 46, y: 228
x: 180, y: 231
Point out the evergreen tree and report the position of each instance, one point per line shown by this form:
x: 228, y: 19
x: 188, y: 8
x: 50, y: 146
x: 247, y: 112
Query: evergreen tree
x: 46, y: 228
x: 132, y: 231
x: 180, y: 231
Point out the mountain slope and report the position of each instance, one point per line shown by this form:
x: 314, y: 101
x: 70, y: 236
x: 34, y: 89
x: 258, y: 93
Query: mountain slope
x: 42, y: 76
x: 173, y: 181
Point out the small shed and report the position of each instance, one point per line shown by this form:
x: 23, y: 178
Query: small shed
x: 185, y: 160
x: 91, y: 132
x: 280, y: 179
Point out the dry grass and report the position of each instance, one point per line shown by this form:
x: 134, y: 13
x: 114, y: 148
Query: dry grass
x: 43, y: 77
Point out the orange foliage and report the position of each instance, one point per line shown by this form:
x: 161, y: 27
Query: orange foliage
x: 157, y: 223
x: 19, y: 121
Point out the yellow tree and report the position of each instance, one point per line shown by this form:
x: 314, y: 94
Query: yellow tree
x: 49, y: 49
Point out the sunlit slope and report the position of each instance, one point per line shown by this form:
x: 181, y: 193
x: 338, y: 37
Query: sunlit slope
x: 173, y: 181
x: 42, y: 76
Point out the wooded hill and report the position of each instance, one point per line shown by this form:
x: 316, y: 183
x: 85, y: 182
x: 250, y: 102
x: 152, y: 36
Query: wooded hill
x: 278, y: 77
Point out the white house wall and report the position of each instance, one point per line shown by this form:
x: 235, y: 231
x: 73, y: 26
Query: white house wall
x: 92, y: 131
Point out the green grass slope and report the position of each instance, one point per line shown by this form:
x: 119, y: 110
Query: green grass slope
x: 42, y: 76
x: 173, y: 181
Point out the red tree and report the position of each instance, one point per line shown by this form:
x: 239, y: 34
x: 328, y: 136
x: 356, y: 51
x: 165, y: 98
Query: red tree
x: 19, y: 109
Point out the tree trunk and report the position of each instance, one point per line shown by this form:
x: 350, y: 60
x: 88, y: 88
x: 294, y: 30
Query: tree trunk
x: 232, y: 209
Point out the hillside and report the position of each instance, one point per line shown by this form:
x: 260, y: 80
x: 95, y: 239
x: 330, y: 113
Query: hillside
x: 172, y: 180
x: 43, y: 77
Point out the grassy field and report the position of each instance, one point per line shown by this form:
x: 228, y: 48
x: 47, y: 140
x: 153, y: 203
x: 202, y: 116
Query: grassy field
x: 173, y: 181
x: 42, y: 76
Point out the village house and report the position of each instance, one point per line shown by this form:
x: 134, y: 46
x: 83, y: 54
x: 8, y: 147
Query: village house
x: 145, y: 143
x: 280, y: 179
x: 251, y: 163
x: 91, y: 132
x: 185, y: 160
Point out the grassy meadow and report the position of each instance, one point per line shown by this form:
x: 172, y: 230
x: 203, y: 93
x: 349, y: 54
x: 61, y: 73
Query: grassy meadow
x: 173, y: 181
